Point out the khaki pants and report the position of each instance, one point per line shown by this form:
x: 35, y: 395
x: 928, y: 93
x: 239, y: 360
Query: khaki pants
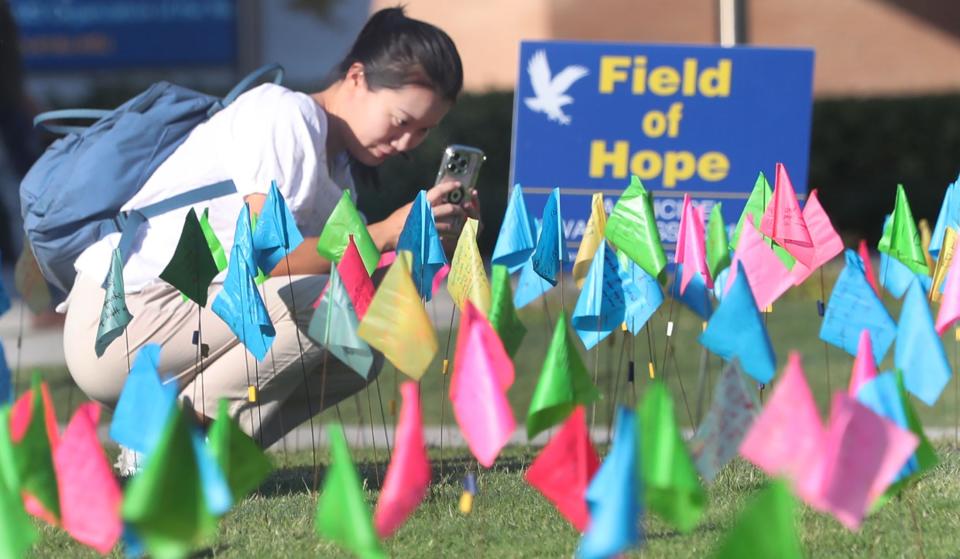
x: 285, y: 398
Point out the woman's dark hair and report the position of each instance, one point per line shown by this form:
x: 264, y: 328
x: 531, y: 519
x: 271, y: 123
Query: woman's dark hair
x: 396, y: 50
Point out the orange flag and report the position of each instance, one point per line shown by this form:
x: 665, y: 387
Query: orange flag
x: 409, y: 473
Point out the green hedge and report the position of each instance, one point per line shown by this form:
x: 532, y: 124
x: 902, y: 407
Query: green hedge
x: 860, y: 150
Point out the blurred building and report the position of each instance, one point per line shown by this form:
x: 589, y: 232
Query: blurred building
x: 863, y: 47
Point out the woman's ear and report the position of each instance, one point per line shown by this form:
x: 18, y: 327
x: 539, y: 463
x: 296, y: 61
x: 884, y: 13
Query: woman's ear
x: 355, y: 76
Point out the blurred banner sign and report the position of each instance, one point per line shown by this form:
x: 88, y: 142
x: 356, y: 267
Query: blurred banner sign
x: 84, y: 34
x: 685, y: 119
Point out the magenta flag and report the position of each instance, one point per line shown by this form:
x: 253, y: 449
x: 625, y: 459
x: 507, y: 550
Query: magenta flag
x: 862, y: 454
x: 864, y: 366
x: 767, y: 275
x: 784, y: 222
x: 827, y: 243
x: 691, y: 250
x: 409, y: 473
x: 950, y: 303
x: 482, y: 373
x: 787, y: 437
x: 90, y: 496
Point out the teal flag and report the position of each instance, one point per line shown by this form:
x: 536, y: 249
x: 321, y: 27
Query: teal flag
x: 419, y: 236
x: 114, y: 316
x: 334, y: 326
x: 551, y: 252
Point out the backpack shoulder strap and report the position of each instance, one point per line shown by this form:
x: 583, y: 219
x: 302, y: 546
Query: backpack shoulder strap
x: 129, y: 222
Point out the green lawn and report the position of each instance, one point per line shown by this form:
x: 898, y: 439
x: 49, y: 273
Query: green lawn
x: 512, y: 520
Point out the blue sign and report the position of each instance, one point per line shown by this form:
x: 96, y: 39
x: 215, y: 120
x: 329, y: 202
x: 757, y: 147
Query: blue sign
x: 685, y: 119
x: 85, y: 34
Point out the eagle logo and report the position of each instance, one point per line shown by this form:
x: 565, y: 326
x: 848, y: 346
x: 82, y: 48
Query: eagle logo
x: 550, y: 90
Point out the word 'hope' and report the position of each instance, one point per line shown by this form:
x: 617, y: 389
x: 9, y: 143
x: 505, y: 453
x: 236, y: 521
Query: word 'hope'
x: 675, y: 166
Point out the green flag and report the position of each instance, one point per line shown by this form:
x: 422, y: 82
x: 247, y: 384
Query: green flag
x: 216, y: 249
x: 344, y: 221
x: 33, y: 453
x: 901, y: 239
x: 17, y: 532
x: 243, y: 463
x: 503, y: 316
x: 718, y: 246
x: 114, y: 315
x: 671, y: 485
x: 564, y: 383
x: 765, y: 529
x: 756, y: 205
x: 164, y: 503
x: 632, y: 228
x: 343, y: 514
x: 192, y: 267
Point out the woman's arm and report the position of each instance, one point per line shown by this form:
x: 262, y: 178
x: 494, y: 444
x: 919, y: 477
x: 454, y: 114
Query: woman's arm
x: 305, y: 260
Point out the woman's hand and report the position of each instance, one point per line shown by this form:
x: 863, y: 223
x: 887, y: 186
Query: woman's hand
x: 448, y: 217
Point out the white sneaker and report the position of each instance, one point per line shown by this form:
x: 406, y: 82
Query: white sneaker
x: 129, y: 462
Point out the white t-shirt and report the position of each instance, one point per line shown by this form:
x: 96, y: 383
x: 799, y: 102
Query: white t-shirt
x: 269, y: 133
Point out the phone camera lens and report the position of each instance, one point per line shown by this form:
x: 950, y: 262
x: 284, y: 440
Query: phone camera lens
x: 451, y: 166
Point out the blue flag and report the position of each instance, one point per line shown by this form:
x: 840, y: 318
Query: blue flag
x: 614, y: 496
x: 720, y: 282
x: 551, y: 251
x: 216, y: 491
x: 516, y: 241
x: 6, y: 386
x: 881, y: 395
x: 696, y: 296
x: 602, y: 302
x: 736, y: 331
x: 530, y: 286
x: 277, y: 233
x: 419, y: 236
x: 949, y: 216
x: 641, y: 291
x: 919, y: 351
x: 144, y: 404
x: 896, y: 277
x: 853, y: 307
x: 239, y: 303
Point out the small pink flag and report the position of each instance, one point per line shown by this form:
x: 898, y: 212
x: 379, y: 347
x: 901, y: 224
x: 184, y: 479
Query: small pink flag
x: 826, y: 242
x: 787, y: 437
x: 950, y: 302
x: 409, y: 473
x: 440, y: 276
x: 864, y: 253
x: 386, y: 259
x: 767, y: 275
x: 563, y: 469
x: 862, y: 454
x: 90, y: 497
x: 864, y: 367
x: 482, y: 373
x: 691, y: 251
x: 784, y: 222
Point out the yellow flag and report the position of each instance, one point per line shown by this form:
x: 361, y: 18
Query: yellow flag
x: 943, y: 263
x: 924, y: 227
x: 467, y: 278
x: 397, y: 324
x: 592, y: 237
